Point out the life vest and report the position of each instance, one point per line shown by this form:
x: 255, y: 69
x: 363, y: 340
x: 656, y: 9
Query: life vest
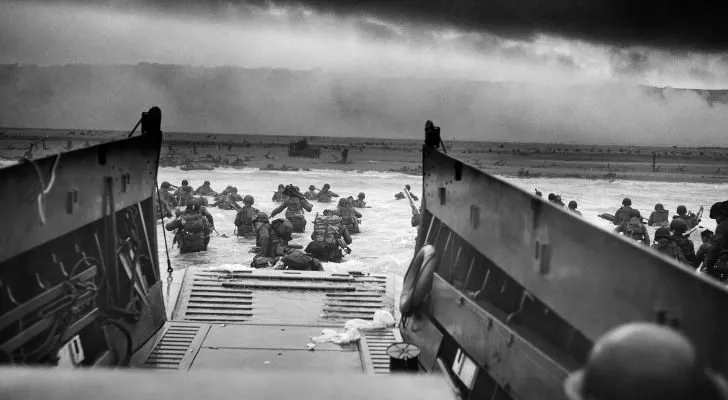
x: 326, y: 229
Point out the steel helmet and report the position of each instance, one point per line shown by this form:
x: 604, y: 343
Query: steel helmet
x: 572, y: 204
x: 207, y: 183
x: 184, y: 182
x: 627, y: 202
x: 637, y: 361
x: 342, y: 202
x: 194, y: 204
x: 681, y: 210
x: 361, y: 196
x: 165, y: 185
x: 659, y: 207
x: 248, y: 199
x: 678, y: 225
x: 662, y: 233
x: 312, y: 187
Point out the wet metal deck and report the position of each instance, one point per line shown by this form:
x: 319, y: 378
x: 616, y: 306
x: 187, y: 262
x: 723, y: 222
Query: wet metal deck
x: 289, y: 297
x: 264, y: 320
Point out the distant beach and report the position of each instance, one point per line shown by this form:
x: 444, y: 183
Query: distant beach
x: 191, y: 151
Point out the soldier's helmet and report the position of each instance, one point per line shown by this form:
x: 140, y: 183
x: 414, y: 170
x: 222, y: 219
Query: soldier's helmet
x: 165, y: 185
x: 361, y: 196
x: 206, y: 183
x: 249, y: 200
x: 342, y: 202
x: 261, y: 217
x: 659, y: 207
x: 281, y: 186
x: 637, y: 361
x: 626, y: 202
x: 662, y: 233
x: 407, y: 187
x: 572, y: 204
x: 678, y: 226
x: 681, y: 209
x: 234, y: 189
x: 312, y: 187
x: 184, y: 182
x: 327, y: 186
x: 194, y: 204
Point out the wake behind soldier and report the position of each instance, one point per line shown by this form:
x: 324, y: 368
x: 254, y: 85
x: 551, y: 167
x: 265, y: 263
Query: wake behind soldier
x: 294, y: 204
x: 678, y: 228
x: 192, y: 229
x: 244, y: 218
x: 329, y: 237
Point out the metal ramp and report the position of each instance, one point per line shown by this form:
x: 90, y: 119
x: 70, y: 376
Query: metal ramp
x: 264, y: 319
x: 174, y: 347
x: 290, y: 297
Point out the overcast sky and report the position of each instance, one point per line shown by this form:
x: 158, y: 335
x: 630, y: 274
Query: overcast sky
x: 410, y: 39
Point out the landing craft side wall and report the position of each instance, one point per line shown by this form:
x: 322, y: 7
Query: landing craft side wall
x: 538, y: 262
x: 76, y: 196
x: 81, y: 259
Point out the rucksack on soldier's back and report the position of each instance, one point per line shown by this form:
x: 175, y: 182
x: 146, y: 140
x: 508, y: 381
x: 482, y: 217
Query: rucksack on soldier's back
x: 300, y: 261
x: 194, y: 223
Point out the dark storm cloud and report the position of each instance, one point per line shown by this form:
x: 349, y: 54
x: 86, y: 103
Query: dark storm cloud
x: 695, y: 25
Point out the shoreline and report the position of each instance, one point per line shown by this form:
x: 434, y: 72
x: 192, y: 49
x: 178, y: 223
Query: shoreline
x: 518, y: 160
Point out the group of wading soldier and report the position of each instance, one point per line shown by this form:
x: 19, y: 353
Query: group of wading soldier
x: 329, y: 240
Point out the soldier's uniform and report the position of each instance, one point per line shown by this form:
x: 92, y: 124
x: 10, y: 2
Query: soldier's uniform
x: 716, y: 259
x: 349, y: 216
x: 359, y: 202
x: 244, y: 221
x: 636, y: 231
x: 205, y: 190
x: 192, y: 229
x: 294, y: 207
x: 659, y: 217
x: 665, y: 245
x: 678, y: 228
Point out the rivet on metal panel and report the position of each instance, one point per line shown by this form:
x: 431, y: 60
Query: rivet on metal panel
x: 474, y: 216
x: 442, y: 196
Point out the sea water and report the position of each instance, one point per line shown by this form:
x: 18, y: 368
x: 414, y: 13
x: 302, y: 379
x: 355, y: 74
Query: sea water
x: 386, y: 242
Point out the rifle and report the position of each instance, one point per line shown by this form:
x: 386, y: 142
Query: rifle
x: 415, y: 211
x: 343, y: 245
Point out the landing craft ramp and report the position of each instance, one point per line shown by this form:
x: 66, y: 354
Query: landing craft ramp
x: 253, y: 319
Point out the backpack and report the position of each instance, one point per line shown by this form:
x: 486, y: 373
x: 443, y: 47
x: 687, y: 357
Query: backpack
x: 195, y: 223
x: 300, y: 261
x: 326, y: 229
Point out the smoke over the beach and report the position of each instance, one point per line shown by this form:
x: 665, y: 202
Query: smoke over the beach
x: 380, y: 71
